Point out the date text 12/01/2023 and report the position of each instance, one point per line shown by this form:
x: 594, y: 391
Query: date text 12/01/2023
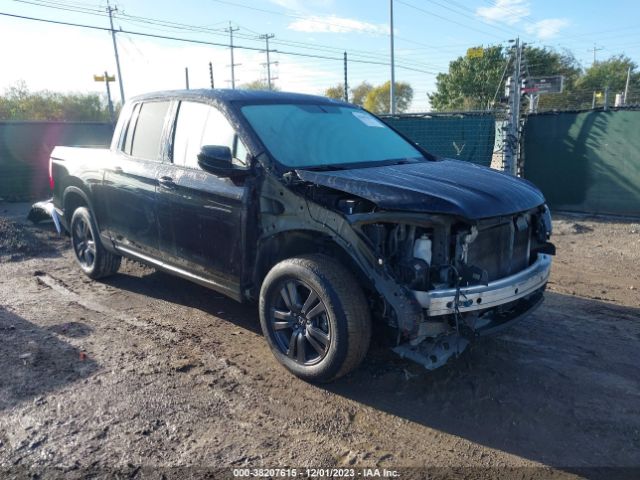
x: 315, y: 473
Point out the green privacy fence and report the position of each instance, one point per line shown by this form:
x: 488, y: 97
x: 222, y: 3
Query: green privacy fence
x: 586, y: 162
x: 463, y: 136
x: 25, y: 148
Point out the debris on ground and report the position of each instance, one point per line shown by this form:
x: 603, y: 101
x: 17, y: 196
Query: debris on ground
x: 18, y: 241
x: 145, y: 369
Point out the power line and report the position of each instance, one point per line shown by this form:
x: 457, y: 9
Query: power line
x: 204, y: 42
x: 591, y: 34
x: 315, y: 20
x: 474, y: 18
x: 443, y: 17
x: 273, y: 12
x: 123, y: 17
x: 508, y: 10
x: 63, y: 6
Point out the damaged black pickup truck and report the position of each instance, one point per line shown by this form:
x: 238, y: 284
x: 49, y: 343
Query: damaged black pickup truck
x: 319, y: 211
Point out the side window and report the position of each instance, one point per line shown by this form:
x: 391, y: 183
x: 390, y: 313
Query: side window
x: 200, y: 124
x: 146, y: 141
x: 125, y: 143
x: 187, y: 139
x: 240, y: 153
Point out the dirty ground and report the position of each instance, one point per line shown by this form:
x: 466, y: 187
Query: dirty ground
x: 147, y: 370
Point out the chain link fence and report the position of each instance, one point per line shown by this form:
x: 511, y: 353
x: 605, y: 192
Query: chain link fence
x: 582, y: 99
x: 469, y: 136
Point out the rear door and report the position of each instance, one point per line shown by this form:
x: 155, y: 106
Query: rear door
x: 202, y: 216
x: 131, y: 178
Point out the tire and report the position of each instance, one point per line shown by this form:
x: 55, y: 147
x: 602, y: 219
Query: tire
x: 315, y: 317
x: 94, y: 260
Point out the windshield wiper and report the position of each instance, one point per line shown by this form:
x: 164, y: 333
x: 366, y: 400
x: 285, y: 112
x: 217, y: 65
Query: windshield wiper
x: 350, y: 166
x: 325, y: 168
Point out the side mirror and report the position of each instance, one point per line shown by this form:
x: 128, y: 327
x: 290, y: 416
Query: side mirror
x: 217, y: 159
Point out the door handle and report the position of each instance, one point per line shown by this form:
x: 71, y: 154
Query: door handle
x: 117, y: 170
x: 166, y: 182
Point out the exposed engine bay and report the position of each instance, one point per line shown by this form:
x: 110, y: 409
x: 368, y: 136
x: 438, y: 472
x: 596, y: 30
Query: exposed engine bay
x: 470, y: 278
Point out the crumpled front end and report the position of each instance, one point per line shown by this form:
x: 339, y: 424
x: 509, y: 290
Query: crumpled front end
x: 469, y: 278
x: 435, y: 280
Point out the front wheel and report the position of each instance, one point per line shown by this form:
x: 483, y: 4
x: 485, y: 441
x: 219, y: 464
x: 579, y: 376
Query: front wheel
x: 94, y: 260
x: 315, y: 317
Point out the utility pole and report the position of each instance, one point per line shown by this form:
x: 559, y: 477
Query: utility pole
x: 392, y: 89
x: 626, y: 87
x: 266, y: 38
x: 233, y: 65
x: 516, y: 108
x: 606, y: 97
x: 512, y: 143
x: 110, y: 11
x: 186, y: 76
x: 594, y: 53
x: 211, y: 74
x: 111, y: 112
x: 346, y: 84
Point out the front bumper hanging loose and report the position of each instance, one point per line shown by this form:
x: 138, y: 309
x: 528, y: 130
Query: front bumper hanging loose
x: 483, y: 297
x: 523, y: 291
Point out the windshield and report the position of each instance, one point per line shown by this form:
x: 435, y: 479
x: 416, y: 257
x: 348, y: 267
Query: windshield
x: 305, y: 136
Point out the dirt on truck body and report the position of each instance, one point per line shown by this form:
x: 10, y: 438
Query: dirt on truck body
x: 327, y: 218
x: 145, y: 374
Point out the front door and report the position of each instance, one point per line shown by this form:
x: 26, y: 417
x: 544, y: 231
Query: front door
x: 201, y: 216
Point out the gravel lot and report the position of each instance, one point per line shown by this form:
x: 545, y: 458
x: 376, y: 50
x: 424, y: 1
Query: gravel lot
x: 149, y: 374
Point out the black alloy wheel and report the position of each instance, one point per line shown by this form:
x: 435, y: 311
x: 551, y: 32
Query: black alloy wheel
x: 94, y: 259
x: 315, y: 317
x: 84, y: 245
x: 300, y: 324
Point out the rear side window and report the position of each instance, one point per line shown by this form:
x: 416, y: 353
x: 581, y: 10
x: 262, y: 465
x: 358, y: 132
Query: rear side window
x: 145, y: 141
x: 130, y: 128
x: 199, y: 124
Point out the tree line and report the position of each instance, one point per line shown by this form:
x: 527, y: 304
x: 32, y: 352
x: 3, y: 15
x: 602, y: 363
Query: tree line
x: 477, y: 82
x: 19, y: 103
x: 375, y: 99
x: 471, y: 83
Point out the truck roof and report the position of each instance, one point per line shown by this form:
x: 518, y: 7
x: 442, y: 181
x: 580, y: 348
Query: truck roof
x: 243, y: 96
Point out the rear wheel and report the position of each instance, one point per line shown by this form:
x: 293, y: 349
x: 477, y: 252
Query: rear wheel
x: 315, y: 317
x: 94, y: 260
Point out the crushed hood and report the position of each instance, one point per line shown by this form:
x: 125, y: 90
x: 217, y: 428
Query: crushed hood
x: 443, y: 186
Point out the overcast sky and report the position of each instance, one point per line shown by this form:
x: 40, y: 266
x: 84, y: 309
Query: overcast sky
x: 428, y: 34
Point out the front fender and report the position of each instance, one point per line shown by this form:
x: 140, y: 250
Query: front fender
x: 283, y: 210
